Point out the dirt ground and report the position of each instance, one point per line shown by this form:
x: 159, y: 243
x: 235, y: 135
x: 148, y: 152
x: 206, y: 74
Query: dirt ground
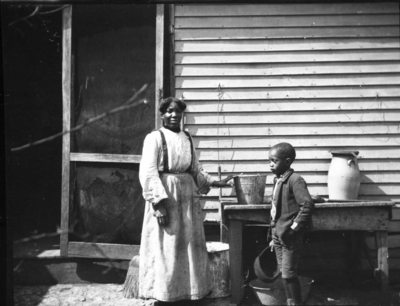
x: 331, y: 292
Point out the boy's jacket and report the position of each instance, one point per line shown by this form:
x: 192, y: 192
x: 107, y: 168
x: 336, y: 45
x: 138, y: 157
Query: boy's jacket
x: 294, y: 204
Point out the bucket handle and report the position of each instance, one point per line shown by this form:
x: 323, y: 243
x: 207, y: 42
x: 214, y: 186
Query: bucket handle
x: 350, y: 161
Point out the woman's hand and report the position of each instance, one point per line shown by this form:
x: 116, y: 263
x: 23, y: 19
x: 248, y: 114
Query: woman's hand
x: 224, y: 182
x: 160, y: 212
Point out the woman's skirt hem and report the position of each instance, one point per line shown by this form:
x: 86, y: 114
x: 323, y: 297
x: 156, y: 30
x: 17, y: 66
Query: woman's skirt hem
x: 164, y: 298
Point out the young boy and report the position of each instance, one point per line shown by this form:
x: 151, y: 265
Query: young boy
x: 291, y: 212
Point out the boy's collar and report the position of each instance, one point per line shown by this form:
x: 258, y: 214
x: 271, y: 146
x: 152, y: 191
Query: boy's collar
x: 285, y: 176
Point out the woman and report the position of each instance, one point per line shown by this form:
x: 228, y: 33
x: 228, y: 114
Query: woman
x: 173, y: 255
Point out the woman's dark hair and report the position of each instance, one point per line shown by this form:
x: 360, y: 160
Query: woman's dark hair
x: 167, y: 101
x: 285, y: 150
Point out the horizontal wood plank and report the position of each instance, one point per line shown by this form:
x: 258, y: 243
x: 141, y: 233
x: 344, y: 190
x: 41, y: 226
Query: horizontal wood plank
x: 350, y: 219
x: 332, y: 104
x: 279, y: 9
x: 238, y: 69
x: 290, y: 56
x: 216, y: 22
x: 289, y: 93
x: 264, y: 45
x: 338, y: 116
x: 287, y: 81
x: 312, y: 152
x: 102, y: 250
x: 207, y: 200
x: 365, y: 190
x: 105, y: 158
x: 299, y: 165
x: 321, y: 177
x: 296, y: 141
x: 295, y: 32
x: 293, y: 129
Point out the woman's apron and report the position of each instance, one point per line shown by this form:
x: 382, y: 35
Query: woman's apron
x: 173, y: 259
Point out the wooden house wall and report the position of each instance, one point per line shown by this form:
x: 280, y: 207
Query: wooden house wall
x: 320, y: 76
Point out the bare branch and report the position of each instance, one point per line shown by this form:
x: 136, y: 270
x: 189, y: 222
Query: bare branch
x: 55, y: 10
x: 123, y: 107
x: 25, y: 18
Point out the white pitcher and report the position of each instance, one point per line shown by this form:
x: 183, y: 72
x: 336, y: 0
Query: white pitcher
x: 343, y: 176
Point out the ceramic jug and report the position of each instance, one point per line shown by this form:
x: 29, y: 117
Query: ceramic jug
x: 344, y: 176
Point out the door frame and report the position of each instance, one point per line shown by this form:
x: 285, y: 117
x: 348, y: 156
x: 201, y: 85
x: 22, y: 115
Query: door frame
x: 92, y: 249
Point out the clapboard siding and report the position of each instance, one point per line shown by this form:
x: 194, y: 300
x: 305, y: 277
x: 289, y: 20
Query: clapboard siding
x: 295, y: 32
x: 264, y: 45
x: 288, y: 56
x: 284, y: 81
x: 287, y: 69
x: 365, y: 103
x: 320, y: 76
x: 291, y: 93
x: 294, y: 129
x: 285, y: 21
x: 286, y: 9
x: 311, y: 152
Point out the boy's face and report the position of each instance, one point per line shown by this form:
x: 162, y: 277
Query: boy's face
x: 278, y: 164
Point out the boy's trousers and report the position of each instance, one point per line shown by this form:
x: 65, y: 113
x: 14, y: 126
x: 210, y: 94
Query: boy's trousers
x: 288, y: 252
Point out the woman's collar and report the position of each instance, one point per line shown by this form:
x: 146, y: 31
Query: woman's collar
x: 173, y: 130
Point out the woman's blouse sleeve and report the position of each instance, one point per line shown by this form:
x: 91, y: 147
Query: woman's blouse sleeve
x: 153, y: 189
x: 202, y: 178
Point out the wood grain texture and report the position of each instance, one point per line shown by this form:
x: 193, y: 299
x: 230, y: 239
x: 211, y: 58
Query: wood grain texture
x: 66, y: 140
x: 297, y: 141
x: 159, y: 61
x: 297, y: 32
x: 172, y: 47
x: 302, y: 152
x: 333, y: 104
x: 351, y: 219
x: 382, y: 257
x: 288, y: 44
x: 294, y: 68
x: 105, y: 158
x: 285, y: 21
x: 290, y: 56
x: 102, y: 250
x: 296, y: 9
x: 290, y: 93
x: 288, y: 129
x: 322, y: 189
x: 284, y: 81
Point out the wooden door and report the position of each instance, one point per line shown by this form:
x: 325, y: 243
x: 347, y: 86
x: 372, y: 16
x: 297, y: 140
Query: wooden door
x: 112, y: 56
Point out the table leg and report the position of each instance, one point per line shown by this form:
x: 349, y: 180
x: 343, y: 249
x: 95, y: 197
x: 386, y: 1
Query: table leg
x: 382, y: 256
x: 235, y: 259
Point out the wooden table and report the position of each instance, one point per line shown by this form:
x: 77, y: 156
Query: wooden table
x: 330, y: 216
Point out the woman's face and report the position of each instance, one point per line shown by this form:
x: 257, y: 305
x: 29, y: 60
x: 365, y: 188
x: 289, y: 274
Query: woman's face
x: 173, y: 116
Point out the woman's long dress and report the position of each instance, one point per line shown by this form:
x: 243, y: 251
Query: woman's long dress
x: 173, y: 259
